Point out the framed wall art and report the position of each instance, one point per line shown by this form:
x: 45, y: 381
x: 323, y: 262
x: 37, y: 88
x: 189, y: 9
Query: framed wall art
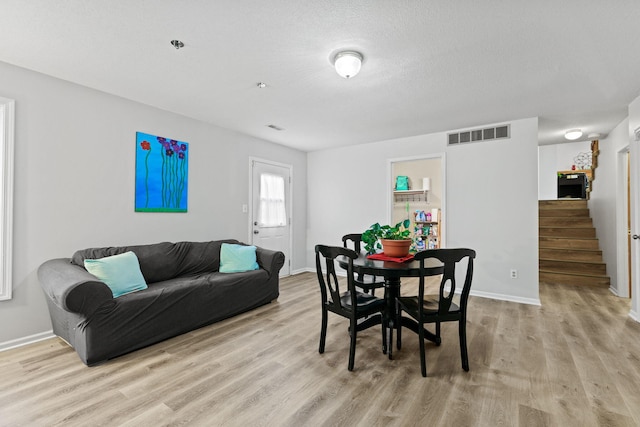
x: 162, y: 174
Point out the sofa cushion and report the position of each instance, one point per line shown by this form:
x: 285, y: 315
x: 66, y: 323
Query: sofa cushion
x: 156, y: 260
x: 121, y: 273
x: 237, y: 258
x: 200, y: 257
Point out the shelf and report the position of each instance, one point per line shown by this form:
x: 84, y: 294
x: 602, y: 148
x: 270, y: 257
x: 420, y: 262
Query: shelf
x: 401, y: 192
x: 587, y: 172
x: 426, y: 234
x: 409, y: 196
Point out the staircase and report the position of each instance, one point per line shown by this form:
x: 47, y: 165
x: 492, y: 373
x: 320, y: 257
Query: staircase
x: 568, y: 248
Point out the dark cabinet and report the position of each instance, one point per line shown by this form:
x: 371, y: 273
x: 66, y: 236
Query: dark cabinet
x: 572, y: 186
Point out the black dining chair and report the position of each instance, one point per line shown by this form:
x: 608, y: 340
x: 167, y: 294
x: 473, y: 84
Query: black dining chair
x: 366, y: 282
x: 351, y: 304
x: 439, y: 308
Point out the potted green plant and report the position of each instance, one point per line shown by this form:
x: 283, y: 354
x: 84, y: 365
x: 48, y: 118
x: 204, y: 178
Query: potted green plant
x: 394, y: 241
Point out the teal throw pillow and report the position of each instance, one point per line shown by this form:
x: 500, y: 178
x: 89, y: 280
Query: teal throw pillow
x: 120, y: 272
x: 237, y: 258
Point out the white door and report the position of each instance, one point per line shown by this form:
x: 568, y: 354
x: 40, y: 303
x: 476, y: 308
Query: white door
x: 271, y: 208
x: 634, y: 173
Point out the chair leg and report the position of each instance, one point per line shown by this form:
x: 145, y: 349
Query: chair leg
x: 390, y: 347
x: 323, y: 330
x: 462, y: 330
x: 423, y: 361
x: 399, y: 323
x: 352, y: 346
x: 439, y: 340
x: 384, y: 334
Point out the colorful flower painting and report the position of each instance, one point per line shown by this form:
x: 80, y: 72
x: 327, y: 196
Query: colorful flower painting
x: 162, y: 174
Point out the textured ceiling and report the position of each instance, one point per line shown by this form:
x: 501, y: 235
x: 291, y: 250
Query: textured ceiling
x: 429, y: 66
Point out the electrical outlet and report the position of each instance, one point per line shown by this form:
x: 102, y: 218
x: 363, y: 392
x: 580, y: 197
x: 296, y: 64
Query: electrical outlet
x: 514, y: 274
x: 245, y: 208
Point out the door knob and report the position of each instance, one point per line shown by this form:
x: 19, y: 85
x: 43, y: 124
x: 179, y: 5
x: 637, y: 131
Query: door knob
x: 255, y: 232
x: 635, y: 237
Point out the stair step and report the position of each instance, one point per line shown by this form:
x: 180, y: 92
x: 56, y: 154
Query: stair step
x: 570, y: 254
x: 567, y: 232
x: 563, y: 204
x: 567, y: 242
x: 555, y: 221
x: 573, y: 279
x: 565, y: 266
x: 564, y: 212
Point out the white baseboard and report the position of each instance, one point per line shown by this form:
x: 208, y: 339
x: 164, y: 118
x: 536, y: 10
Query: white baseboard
x: 19, y: 342
x: 510, y: 298
x: 303, y: 270
x: 632, y: 314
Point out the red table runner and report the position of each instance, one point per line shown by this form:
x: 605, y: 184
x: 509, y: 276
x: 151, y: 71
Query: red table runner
x: 383, y: 257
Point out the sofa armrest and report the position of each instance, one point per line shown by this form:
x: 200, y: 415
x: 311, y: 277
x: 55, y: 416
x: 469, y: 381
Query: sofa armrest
x: 71, y: 287
x: 271, y: 261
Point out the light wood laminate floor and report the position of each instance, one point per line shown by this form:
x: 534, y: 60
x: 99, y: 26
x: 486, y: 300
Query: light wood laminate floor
x: 575, y: 361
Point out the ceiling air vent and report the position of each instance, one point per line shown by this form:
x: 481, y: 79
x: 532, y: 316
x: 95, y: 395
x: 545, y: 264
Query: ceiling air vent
x: 475, y: 135
x: 274, y: 127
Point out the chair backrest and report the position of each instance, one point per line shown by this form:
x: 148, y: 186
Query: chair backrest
x: 330, y: 288
x: 355, y: 238
x: 450, y: 258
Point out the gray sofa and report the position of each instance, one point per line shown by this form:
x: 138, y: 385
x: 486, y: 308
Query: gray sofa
x: 185, y: 291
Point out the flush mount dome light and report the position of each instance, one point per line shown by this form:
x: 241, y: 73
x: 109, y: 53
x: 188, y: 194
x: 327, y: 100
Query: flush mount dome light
x: 347, y: 63
x: 573, y: 134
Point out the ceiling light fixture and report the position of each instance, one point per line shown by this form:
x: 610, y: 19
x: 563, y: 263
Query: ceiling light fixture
x: 573, y: 134
x: 347, y: 63
x: 261, y: 85
x: 177, y: 44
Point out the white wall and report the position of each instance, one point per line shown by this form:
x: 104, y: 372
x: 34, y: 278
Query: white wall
x: 548, y: 172
x: 568, y: 151
x: 491, y: 201
x: 607, y: 197
x: 74, y: 183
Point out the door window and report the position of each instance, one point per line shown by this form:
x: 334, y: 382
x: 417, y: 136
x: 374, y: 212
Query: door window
x: 271, y: 210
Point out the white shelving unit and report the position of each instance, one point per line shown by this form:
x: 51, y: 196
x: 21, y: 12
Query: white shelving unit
x: 428, y: 232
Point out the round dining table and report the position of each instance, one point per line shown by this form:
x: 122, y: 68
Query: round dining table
x: 393, y: 272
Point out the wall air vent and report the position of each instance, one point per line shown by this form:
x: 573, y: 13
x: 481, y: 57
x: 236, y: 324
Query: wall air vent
x: 476, y: 135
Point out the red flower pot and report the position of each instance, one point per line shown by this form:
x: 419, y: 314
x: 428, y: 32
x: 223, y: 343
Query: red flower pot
x: 396, y: 248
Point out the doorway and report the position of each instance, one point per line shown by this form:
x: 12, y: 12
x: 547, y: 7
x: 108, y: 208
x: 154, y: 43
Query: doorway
x: 423, y: 203
x: 624, y: 285
x: 270, y: 216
